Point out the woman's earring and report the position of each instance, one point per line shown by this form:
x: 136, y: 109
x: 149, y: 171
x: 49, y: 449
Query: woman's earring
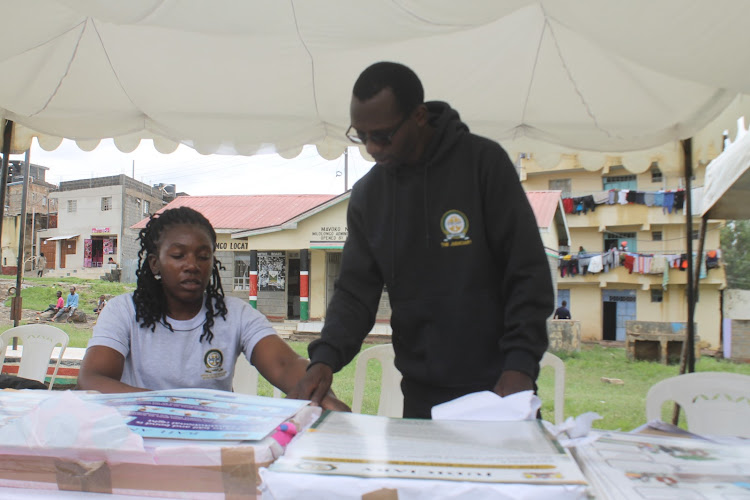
x: 157, y: 276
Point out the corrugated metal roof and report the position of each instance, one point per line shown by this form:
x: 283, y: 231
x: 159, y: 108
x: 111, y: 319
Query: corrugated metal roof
x: 544, y: 204
x: 247, y: 212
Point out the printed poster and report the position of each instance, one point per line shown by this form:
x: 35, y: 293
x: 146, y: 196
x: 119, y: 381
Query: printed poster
x: 271, y: 271
x: 370, y: 446
x: 641, y: 466
x: 87, y: 251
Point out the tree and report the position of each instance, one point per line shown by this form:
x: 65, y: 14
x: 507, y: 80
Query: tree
x: 735, y: 248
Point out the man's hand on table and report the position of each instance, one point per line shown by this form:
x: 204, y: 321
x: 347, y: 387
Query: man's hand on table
x: 511, y: 382
x: 316, y: 386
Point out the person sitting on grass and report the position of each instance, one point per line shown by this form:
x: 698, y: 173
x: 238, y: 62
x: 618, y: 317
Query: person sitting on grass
x: 177, y: 329
x: 55, y: 308
x: 100, y: 305
x: 71, y: 304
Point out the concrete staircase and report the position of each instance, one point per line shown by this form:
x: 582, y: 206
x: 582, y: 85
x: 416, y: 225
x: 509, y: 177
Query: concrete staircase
x: 92, y: 273
x: 285, y: 328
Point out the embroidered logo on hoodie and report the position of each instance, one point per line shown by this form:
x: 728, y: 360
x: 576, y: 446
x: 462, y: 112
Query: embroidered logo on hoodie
x: 455, y: 225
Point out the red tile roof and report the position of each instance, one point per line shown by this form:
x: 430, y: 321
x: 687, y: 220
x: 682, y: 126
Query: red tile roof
x: 544, y: 204
x: 247, y: 212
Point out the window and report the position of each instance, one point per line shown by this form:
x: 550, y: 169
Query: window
x: 72, y: 206
x: 696, y: 234
x: 620, y: 182
x: 656, y: 175
x: 106, y: 203
x: 614, y: 240
x: 563, y: 185
x: 656, y: 236
x: 657, y: 295
x: 241, y: 271
x: 146, y: 207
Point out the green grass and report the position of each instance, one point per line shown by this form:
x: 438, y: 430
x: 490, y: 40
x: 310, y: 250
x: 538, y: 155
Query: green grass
x: 621, y: 406
x: 42, y: 294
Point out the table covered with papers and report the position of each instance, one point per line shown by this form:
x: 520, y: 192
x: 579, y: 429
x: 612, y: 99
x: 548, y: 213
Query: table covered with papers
x: 213, y: 445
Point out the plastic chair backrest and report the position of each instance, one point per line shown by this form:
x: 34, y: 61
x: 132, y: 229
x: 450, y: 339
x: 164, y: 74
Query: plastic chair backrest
x: 246, y: 377
x: 558, y: 366
x: 391, y: 399
x: 714, y: 402
x: 38, y: 341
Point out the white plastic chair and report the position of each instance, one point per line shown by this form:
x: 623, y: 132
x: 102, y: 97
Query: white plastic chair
x: 245, y: 379
x: 558, y: 366
x: 391, y: 399
x: 38, y: 341
x: 714, y: 402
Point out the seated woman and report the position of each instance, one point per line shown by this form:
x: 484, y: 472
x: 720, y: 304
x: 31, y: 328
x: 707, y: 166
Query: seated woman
x: 177, y: 330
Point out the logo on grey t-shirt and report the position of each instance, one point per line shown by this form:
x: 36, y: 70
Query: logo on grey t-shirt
x: 214, y: 361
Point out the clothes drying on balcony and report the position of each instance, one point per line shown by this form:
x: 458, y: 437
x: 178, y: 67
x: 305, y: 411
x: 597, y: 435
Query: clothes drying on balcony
x: 669, y: 200
x: 639, y: 263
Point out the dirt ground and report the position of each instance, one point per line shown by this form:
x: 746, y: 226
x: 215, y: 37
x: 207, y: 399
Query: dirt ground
x: 30, y: 315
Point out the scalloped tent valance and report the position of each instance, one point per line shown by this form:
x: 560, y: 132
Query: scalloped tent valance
x: 249, y: 76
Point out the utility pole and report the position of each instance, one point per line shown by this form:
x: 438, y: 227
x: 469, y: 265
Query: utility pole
x: 346, y: 170
x: 18, y: 300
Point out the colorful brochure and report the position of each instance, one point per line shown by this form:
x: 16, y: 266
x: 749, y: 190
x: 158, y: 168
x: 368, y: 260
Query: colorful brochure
x: 201, y: 413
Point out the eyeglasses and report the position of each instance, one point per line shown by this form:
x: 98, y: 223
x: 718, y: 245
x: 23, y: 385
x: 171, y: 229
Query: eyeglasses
x: 379, y: 138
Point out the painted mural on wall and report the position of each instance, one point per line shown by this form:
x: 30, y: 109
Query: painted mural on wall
x: 271, y: 271
x: 87, y: 253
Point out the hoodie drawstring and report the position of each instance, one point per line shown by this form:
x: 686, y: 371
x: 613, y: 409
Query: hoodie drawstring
x: 426, y: 210
x: 393, y: 231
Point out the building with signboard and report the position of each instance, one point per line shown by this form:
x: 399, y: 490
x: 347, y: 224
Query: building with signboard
x: 283, y: 252
x: 94, y: 223
x: 278, y: 262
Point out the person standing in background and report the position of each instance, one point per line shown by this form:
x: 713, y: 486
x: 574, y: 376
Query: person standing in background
x: 41, y: 263
x: 562, y: 312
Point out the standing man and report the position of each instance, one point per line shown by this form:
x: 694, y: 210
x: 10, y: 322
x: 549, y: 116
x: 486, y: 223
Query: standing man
x: 562, y: 312
x: 41, y: 263
x: 71, y: 304
x: 443, y: 222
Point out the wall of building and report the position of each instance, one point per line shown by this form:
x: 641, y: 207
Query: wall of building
x: 317, y: 306
x: 138, y: 202
x: 10, y: 244
x: 737, y: 304
x: 87, y: 218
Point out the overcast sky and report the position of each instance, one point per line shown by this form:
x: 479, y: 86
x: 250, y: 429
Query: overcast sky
x: 198, y: 174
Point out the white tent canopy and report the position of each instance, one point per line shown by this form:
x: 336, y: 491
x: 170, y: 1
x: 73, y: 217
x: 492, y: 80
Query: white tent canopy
x: 244, y: 76
x: 727, y: 187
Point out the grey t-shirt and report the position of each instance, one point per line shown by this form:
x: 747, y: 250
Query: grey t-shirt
x: 165, y: 359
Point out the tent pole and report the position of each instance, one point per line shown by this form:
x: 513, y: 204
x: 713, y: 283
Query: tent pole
x: 687, y: 360
x: 7, y: 136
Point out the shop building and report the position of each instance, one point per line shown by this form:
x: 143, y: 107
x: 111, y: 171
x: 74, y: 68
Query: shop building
x: 94, y: 223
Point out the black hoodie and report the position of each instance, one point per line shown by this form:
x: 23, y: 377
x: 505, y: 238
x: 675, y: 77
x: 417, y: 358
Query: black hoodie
x: 456, y: 243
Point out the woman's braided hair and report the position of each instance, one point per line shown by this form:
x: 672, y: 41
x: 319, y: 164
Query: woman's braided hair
x: 149, y: 299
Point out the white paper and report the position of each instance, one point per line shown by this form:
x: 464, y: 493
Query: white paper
x: 488, y: 406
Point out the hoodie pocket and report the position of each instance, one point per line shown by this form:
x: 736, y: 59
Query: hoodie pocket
x: 449, y: 341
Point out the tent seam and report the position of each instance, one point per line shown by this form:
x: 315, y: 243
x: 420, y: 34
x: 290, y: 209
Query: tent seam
x: 312, y: 67
x: 571, y: 79
x: 114, y: 72
x: 531, y: 80
x: 67, y: 70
